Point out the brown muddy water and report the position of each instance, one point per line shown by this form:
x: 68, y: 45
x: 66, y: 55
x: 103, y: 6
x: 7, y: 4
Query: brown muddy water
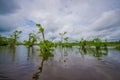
x: 23, y: 63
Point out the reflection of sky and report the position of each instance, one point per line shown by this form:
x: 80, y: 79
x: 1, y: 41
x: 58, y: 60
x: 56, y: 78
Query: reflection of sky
x: 67, y: 63
x: 80, y: 18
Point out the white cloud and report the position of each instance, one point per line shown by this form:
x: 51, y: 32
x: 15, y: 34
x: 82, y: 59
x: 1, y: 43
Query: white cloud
x: 79, y: 18
x: 107, y: 20
x: 107, y: 24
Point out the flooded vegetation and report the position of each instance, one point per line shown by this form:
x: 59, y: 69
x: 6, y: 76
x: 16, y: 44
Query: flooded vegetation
x: 43, y: 59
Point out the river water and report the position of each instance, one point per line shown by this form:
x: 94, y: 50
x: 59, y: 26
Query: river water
x: 22, y: 63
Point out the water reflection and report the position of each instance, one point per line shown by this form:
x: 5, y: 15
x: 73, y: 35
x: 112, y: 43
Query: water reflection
x: 13, y: 52
x: 64, y: 53
x: 45, y: 55
x: 9, y: 52
x: 69, y: 63
x: 30, y: 51
x: 96, y: 52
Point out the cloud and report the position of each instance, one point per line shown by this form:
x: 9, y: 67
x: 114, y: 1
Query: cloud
x: 5, y: 29
x: 7, y: 7
x: 108, y: 20
x: 79, y: 18
x: 107, y: 25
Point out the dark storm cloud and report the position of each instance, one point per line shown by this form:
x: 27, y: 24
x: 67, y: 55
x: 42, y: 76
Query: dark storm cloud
x: 3, y: 28
x: 8, y: 6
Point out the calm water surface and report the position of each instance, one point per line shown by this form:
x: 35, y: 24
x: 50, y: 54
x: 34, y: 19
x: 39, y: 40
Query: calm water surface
x: 23, y: 63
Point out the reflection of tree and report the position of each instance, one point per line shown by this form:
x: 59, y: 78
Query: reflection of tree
x: 13, y: 51
x: 81, y: 52
x: 36, y: 75
x: 63, y: 54
x: 84, y: 50
x: 45, y: 56
x: 96, y: 52
x: 30, y: 51
x: 100, y: 52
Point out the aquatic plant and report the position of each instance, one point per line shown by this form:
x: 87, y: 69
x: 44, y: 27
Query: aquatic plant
x: 83, y: 43
x: 12, y: 40
x: 3, y: 40
x: 31, y: 40
x: 14, y: 37
x: 41, y: 30
x: 45, y: 45
x: 66, y: 39
x: 97, y: 43
x: 62, y: 36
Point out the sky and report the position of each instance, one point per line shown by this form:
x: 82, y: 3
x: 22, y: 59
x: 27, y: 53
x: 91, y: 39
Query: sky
x: 79, y: 18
